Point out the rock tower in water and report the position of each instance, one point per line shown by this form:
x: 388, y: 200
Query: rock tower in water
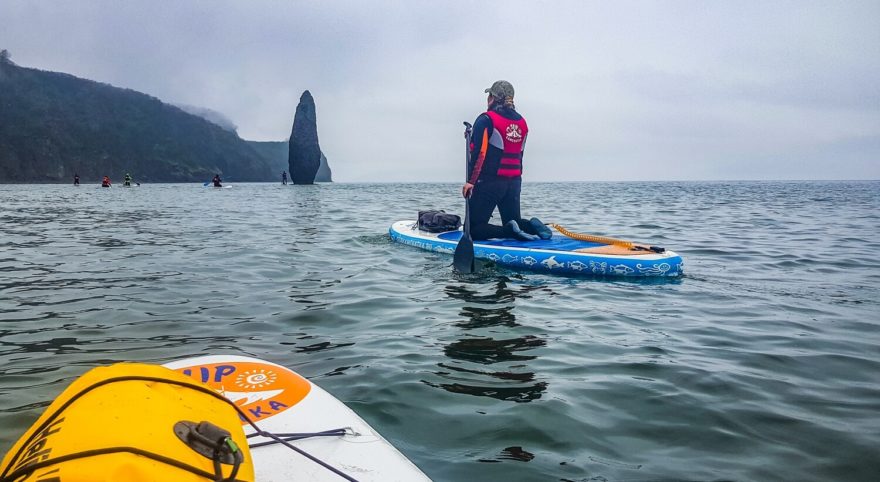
x: 304, y: 156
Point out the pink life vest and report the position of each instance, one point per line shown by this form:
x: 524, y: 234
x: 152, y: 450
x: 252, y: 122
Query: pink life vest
x: 509, y: 135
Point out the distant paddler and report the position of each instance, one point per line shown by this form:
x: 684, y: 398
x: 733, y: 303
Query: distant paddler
x: 217, y: 181
x: 75, y: 179
x: 284, y: 177
x: 105, y: 182
x: 126, y: 181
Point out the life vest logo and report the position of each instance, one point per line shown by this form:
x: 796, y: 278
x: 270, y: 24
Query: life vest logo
x: 514, y: 133
x: 258, y: 389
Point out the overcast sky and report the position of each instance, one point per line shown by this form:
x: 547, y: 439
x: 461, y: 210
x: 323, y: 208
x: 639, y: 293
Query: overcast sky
x: 671, y: 90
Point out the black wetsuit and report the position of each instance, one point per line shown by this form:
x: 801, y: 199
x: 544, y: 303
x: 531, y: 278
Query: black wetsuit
x: 490, y: 189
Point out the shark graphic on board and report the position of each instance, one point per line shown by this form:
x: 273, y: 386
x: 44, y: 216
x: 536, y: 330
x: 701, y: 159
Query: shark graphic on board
x: 551, y: 263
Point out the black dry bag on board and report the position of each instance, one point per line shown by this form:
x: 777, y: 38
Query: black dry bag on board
x: 438, y: 221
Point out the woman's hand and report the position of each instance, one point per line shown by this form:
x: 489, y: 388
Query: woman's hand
x: 467, y: 189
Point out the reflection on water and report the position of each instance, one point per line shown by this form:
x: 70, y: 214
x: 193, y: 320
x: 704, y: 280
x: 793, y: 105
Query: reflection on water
x: 471, y: 355
x: 511, y: 453
x: 476, y: 317
x: 488, y: 351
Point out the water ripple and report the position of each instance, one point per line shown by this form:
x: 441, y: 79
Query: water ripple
x: 761, y: 363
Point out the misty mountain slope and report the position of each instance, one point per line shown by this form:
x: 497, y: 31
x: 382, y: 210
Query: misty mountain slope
x: 53, y: 125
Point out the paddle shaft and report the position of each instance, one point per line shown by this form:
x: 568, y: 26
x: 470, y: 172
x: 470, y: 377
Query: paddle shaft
x: 463, y: 259
x: 467, y: 175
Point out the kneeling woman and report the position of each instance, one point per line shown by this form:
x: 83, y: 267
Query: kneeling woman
x: 495, y: 170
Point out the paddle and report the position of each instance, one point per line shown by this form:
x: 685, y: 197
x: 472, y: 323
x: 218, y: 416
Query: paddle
x: 463, y: 260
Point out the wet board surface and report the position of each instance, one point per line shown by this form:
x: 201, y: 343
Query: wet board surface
x: 281, y: 401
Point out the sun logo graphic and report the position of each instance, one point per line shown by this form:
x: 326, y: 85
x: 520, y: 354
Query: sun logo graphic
x: 513, y: 133
x: 255, y: 379
x: 261, y: 390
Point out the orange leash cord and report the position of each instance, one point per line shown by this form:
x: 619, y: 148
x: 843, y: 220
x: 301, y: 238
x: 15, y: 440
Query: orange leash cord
x: 606, y: 240
x: 592, y: 238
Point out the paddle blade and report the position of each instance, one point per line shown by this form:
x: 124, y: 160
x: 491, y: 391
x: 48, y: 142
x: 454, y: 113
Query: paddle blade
x: 463, y: 260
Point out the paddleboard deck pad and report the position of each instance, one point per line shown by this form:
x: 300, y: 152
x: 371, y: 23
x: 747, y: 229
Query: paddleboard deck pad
x: 280, y: 401
x: 559, y: 254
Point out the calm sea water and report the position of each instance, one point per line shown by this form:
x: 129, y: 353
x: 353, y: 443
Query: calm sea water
x: 761, y: 363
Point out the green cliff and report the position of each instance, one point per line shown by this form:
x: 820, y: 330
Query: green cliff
x: 53, y: 125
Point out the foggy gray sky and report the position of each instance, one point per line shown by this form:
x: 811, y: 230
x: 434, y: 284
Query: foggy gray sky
x: 612, y: 90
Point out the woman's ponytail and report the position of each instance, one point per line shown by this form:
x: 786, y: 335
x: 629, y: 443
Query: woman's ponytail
x: 506, y: 104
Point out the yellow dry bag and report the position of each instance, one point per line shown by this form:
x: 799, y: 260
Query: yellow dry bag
x: 133, y: 423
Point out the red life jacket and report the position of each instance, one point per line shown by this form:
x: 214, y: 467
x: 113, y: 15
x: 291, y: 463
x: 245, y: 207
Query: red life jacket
x: 511, y: 135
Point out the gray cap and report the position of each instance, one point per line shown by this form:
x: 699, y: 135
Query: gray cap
x: 501, y: 89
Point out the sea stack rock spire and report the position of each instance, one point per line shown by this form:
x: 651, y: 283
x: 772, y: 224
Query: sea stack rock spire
x: 304, y: 156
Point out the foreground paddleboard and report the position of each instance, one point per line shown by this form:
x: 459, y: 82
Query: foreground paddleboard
x: 281, y: 401
x: 558, y: 255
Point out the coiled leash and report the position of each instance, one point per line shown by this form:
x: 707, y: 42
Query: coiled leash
x: 606, y: 240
